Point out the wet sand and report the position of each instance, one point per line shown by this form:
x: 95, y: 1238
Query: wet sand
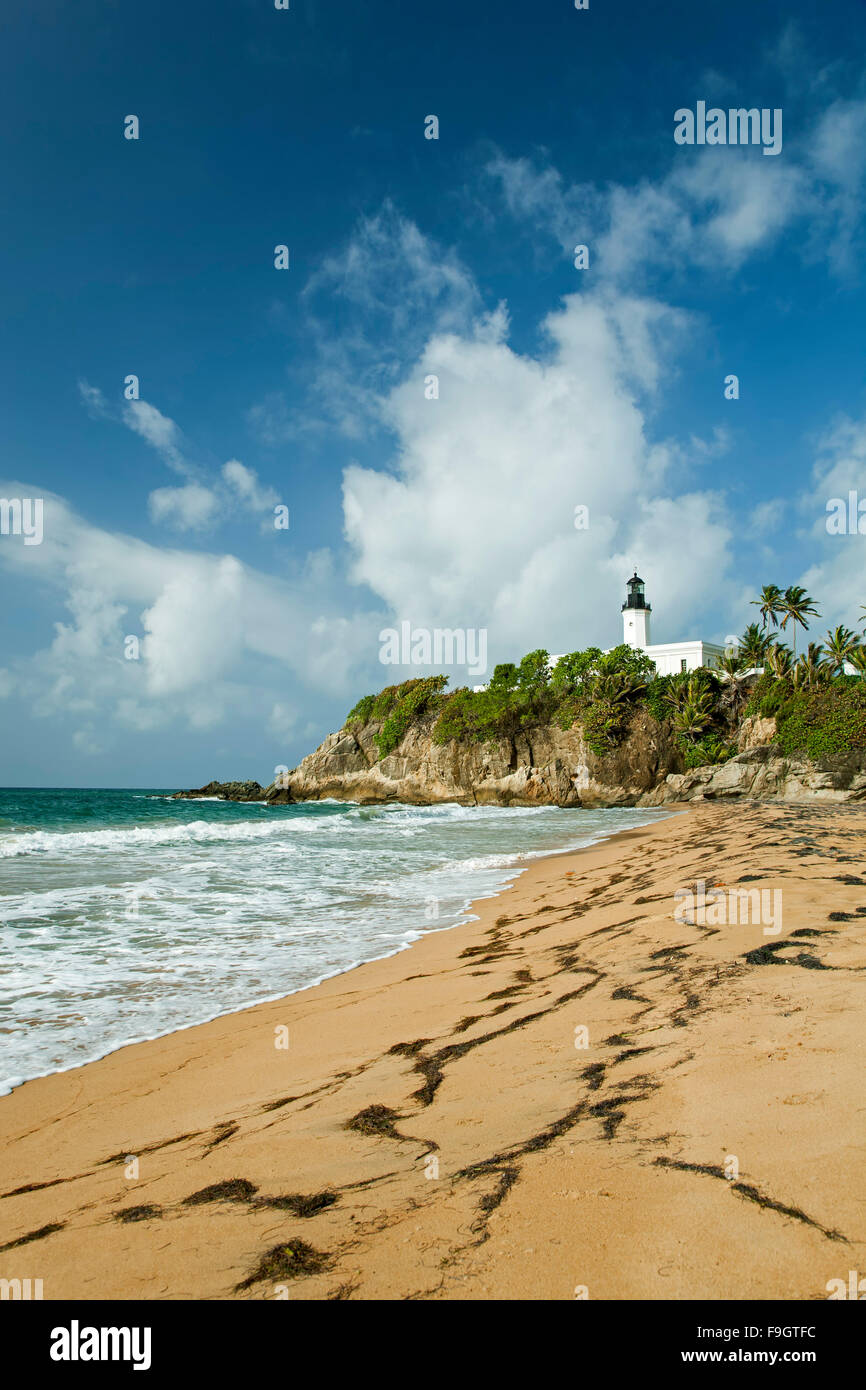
x: 577, y: 1095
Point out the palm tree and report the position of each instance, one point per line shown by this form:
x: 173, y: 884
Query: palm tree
x: 779, y: 660
x: 813, y: 670
x: 770, y: 604
x: 617, y: 686
x: 689, y: 689
x: 858, y: 661
x: 694, y: 716
x: 735, y: 691
x: 730, y: 665
x: 840, y: 644
x: 797, y: 606
x: 754, y: 645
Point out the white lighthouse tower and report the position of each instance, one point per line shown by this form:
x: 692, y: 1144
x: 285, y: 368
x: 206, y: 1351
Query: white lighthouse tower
x: 669, y: 658
x: 636, y: 614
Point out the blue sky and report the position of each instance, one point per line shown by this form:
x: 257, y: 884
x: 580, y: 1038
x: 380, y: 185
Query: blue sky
x: 408, y: 257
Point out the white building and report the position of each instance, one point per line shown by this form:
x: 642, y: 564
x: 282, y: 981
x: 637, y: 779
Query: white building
x: 670, y: 657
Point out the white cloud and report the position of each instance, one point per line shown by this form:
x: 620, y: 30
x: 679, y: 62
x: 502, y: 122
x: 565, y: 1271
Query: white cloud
x: 713, y: 207
x: 194, y: 627
x: 217, y: 637
x: 835, y: 578
x: 198, y: 508
x: 198, y: 505
x: 767, y: 517
x: 158, y: 430
x: 94, y: 401
x: 476, y: 528
x: 244, y: 483
x: 190, y: 508
x: 393, y: 287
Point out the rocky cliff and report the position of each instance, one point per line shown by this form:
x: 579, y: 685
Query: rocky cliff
x: 548, y: 766
x: 552, y: 766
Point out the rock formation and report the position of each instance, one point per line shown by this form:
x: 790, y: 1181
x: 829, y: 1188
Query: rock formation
x: 550, y: 766
x: 226, y: 791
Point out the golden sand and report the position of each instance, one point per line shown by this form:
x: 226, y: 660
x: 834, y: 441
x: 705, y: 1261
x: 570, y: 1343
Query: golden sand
x: 450, y: 1134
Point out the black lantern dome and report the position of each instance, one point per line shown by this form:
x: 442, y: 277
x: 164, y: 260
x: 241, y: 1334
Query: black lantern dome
x: 636, y: 596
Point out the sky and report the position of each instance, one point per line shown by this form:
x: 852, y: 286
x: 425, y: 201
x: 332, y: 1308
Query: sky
x: 170, y: 627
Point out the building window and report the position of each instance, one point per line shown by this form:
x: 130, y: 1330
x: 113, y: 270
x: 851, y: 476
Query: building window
x: 682, y: 663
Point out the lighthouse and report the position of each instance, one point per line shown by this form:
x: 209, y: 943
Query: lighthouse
x: 636, y: 614
x: 669, y: 658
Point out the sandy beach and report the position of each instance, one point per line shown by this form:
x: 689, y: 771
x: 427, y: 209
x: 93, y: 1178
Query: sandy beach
x: 578, y: 1095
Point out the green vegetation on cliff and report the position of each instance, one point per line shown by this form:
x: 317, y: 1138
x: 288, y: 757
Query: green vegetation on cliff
x: 600, y: 691
x: 398, y: 707
x: 819, y: 710
x: 828, y: 718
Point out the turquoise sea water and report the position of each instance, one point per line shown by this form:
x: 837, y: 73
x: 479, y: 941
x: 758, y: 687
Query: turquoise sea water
x: 124, y: 914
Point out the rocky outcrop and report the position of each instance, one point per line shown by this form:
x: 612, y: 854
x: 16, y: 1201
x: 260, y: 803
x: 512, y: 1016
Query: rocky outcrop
x: 226, y: 791
x: 764, y: 773
x: 546, y: 766
x: 755, y: 732
x: 549, y: 766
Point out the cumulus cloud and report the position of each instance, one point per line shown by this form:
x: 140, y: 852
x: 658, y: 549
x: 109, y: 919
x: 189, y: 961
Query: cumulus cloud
x: 200, y: 504
x: 476, y: 526
x: 217, y: 637
x: 835, y: 577
x: 198, y: 508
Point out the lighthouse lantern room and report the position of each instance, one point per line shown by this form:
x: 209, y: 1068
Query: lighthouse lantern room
x: 636, y: 615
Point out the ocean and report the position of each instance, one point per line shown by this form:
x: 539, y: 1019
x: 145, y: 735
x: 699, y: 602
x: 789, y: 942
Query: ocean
x: 125, y: 915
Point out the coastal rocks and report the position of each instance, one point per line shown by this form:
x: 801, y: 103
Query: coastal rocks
x: 547, y: 766
x: 764, y: 773
x: 225, y: 791
x: 755, y: 731
x: 550, y: 766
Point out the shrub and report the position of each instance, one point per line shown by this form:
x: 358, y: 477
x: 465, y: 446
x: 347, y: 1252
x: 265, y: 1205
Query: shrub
x: 768, y: 696
x: 362, y: 712
x: 656, y: 698
x: 573, y: 670
x: 516, y: 698
x: 710, y: 749
x: 603, y: 724
x: 409, y: 702
x: 600, y: 691
x: 831, y: 719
